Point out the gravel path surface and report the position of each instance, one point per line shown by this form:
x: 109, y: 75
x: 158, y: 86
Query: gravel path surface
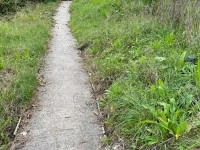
x: 65, y: 119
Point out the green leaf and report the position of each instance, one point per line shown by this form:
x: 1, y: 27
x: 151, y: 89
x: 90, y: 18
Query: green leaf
x: 163, y: 132
x: 166, y: 107
x: 182, y: 60
x: 162, y: 115
x: 1, y: 63
x: 151, y: 140
x: 182, y: 128
x: 173, y: 105
x: 198, y: 74
x: 176, y: 115
x: 173, y: 126
x: 147, y: 121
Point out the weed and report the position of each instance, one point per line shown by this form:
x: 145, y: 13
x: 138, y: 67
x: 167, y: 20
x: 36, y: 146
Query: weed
x: 138, y: 49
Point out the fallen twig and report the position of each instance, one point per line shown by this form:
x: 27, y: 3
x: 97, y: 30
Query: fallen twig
x: 120, y: 140
x: 17, y: 127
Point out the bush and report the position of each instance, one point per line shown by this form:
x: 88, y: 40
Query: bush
x: 8, y: 6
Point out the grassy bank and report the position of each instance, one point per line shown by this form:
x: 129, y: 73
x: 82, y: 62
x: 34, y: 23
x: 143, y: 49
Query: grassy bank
x: 145, y: 68
x: 23, y: 42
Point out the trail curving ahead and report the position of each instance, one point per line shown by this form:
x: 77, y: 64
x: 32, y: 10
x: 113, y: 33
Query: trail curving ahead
x: 65, y: 119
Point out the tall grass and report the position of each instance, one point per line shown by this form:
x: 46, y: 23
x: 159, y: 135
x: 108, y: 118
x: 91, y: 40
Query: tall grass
x: 183, y: 14
x: 139, y: 58
x: 23, y: 41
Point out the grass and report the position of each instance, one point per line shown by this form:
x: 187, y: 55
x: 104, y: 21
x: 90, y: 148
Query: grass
x: 23, y: 42
x: 142, y: 71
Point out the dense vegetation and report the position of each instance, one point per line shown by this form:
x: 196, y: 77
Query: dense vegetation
x: 143, y: 57
x: 23, y: 41
x: 9, y: 6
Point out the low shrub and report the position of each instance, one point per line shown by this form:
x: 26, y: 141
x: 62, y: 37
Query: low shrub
x: 8, y: 6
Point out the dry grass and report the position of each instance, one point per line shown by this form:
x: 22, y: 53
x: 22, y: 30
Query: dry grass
x: 183, y: 14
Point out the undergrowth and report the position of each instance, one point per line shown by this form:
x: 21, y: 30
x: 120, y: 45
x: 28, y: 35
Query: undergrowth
x: 146, y: 66
x: 12, y: 6
x: 23, y: 41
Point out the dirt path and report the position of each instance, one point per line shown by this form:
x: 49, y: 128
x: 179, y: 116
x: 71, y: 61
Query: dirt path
x: 65, y: 119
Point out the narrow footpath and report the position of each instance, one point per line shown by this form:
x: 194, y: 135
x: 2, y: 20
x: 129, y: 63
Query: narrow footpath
x: 65, y: 119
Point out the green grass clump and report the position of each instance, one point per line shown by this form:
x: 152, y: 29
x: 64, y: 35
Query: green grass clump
x: 23, y: 41
x: 142, y: 67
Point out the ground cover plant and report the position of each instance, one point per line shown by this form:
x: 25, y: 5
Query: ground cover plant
x: 143, y: 57
x: 23, y: 41
x: 11, y: 6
